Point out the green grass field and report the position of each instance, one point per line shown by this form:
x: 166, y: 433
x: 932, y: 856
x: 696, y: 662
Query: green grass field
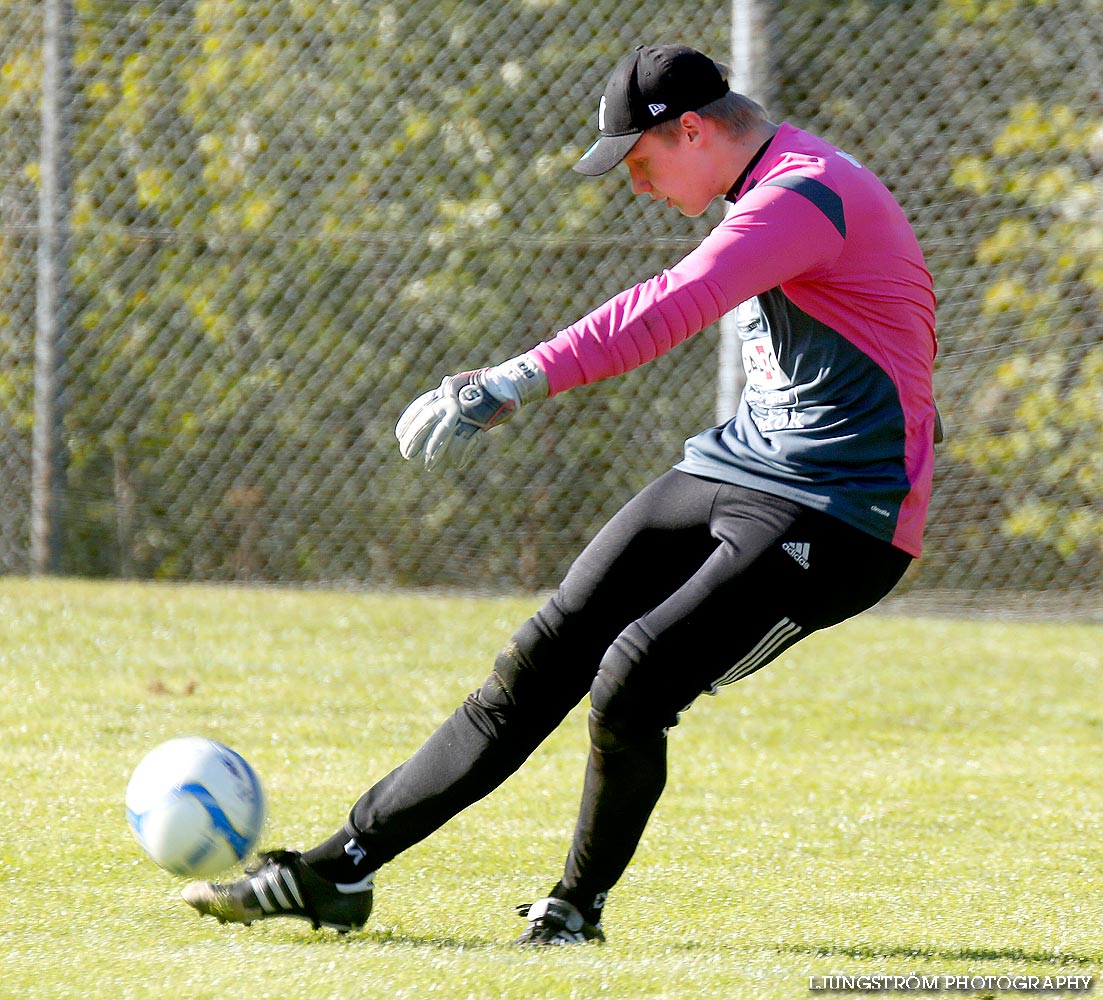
x: 894, y: 796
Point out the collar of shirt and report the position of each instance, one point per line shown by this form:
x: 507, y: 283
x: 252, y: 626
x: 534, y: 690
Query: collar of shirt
x: 733, y: 191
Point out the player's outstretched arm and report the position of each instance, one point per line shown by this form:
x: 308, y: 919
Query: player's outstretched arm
x: 444, y: 425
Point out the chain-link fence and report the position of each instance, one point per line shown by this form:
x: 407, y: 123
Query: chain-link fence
x: 286, y: 218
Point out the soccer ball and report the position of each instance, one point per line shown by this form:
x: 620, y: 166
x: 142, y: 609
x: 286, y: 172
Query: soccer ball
x: 195, y: 806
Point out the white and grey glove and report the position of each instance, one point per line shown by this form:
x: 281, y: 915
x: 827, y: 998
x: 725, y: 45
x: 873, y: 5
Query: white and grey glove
x: 444, y: 425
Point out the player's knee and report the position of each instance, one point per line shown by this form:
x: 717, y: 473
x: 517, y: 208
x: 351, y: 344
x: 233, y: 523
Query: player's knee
x: 627, y: 704
x: 521, y: 685
x: 516, y: 678
x: 614, y: 731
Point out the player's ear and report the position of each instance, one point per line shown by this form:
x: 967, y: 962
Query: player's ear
x: 691, y: 123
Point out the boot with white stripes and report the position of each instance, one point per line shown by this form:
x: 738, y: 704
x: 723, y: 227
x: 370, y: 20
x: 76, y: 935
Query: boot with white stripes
x: 556, y: 922
x: 283, y: 885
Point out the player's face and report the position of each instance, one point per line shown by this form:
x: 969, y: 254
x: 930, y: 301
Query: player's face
x: 672, y: 170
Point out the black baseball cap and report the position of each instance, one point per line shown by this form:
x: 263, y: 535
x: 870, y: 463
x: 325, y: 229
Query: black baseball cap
x: 654, y: 84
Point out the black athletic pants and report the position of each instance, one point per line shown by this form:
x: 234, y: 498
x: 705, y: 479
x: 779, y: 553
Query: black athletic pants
x: 692, y: 584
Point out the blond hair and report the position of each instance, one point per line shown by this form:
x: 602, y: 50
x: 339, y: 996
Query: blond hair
x: 737, y: 113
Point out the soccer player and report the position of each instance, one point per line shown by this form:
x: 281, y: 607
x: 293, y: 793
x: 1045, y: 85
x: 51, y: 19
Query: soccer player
x: 801, y: 510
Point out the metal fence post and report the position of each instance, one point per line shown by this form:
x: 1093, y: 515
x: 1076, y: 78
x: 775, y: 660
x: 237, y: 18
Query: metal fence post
x: 750, y: 76
x: 47, y: 462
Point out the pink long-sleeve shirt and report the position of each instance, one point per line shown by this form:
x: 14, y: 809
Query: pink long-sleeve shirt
x: 835, y: 311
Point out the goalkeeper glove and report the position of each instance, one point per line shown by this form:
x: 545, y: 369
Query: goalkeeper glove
x: 447, y: 422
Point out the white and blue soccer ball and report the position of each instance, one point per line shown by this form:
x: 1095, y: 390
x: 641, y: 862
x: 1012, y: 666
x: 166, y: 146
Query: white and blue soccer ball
x: 195, y: 806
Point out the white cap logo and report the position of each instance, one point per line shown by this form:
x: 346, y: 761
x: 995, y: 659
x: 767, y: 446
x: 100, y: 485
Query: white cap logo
x: 656, y: 109
x: 601, y: 114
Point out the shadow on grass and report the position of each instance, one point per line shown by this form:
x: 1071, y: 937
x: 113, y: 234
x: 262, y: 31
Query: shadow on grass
x: 443, y: 941
x: 944, y: 954
x: 329, y: 938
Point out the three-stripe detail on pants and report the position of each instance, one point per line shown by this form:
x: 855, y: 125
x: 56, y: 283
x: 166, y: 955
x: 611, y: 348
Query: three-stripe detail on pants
x: 778, y: 638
